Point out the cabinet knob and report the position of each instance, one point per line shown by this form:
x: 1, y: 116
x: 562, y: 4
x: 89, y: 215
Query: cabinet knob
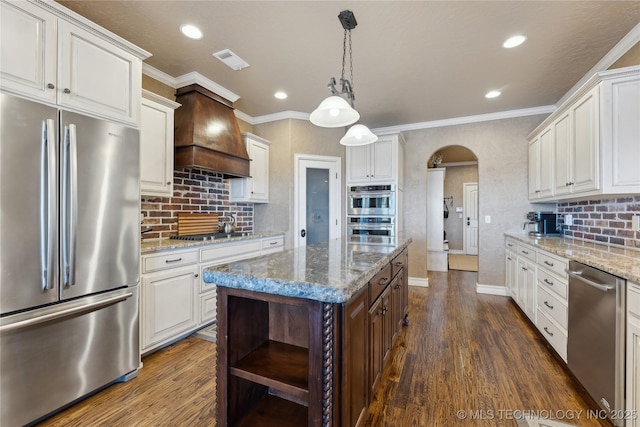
x: 51, y: 86
x: 196, y: 275
x: 67, y: 90
x: 168, y: 182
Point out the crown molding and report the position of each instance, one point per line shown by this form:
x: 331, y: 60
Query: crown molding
x: 158, y: 75
x: 159, y: 99
x: 197, y: 78
x: 622, y: 47
x: 244, y: 117
x: 547, y: 109
x: 283, y: 115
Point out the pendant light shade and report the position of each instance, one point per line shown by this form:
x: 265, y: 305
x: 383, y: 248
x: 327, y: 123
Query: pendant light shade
x: 358, y: 135
x: 333, y: 112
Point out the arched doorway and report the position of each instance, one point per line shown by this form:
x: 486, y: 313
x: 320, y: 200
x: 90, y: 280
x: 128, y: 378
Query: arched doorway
x: 452, y: 209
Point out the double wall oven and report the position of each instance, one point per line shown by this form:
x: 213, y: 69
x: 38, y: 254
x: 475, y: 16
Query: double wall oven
x: 371, y: 214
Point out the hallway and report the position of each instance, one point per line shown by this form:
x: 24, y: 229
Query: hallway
x: 464, y: 360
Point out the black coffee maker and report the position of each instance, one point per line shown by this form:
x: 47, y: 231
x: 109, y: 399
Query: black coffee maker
x: 544, y: 224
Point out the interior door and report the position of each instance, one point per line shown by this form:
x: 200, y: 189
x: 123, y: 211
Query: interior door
x: 470, y: 208
x: 317, y: 199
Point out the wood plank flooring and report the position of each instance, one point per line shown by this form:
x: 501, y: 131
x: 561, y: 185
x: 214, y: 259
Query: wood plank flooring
x: 460, y: 352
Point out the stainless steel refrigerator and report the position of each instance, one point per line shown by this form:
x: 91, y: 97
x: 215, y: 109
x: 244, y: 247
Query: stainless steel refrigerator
x: 69, y: 257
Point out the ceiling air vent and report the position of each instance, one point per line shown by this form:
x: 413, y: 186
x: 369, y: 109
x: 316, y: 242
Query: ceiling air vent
x: 231, y: 59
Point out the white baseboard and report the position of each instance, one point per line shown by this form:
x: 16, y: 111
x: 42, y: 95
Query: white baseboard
x: 420, y: 282
x: 491, y: 290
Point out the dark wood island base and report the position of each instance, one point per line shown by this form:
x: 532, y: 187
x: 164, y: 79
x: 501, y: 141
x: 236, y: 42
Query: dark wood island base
x: 292, y: 361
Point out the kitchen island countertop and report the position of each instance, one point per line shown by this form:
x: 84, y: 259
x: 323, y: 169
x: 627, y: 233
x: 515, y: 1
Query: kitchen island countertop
x: 616, y: 260
x: 329, y: 272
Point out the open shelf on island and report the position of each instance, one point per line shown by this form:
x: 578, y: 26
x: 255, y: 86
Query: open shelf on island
x: 272, y: 411
x: 277, y: 365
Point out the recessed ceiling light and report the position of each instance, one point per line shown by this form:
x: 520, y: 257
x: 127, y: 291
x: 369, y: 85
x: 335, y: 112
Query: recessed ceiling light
x: 191, y: 31
x: 280, y: 95
x: 492, y: 94
x: 514, y: 41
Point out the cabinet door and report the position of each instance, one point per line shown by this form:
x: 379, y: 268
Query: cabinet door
x: 511, y: 274
x: 358, y: 163
x: 376, y: 344
x: 624, y: 131
x: 97, y: 77
x: 383, y: 161
x: 156, y: 149
x: 563, y: 156
x: 28, y: 50
x: 356, y: 349
x: 534, y: 169
x: 633, y: 354
x: 586, y: 140
x: 397, y: 312
x: 259, y: 181
x: 168, y: 304
x: 525, y: 280
x: 545, y: 164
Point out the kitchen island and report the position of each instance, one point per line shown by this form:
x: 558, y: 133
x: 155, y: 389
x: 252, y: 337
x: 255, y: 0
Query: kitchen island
x: 303, y: 334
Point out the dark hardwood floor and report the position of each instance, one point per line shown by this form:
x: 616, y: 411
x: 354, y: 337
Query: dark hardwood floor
x: 461, y: 352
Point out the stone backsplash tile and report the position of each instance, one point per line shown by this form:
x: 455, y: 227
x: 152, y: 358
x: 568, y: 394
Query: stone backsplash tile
x: 603, y: 220
x: 194, y: 191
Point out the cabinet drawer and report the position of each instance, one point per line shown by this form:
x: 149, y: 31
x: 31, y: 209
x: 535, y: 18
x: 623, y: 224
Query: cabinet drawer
x: 231, y: 251
x: 167, y: 260
x: 272, y: 245
x: 553, y: 334
x: 553, y: 263
x: 379, y: 283
x: 398, y: 263
x: 207, y: 307
x: 527, y: 251
x: 551, y: 304
x: 511, y: 244
x: 549, y: 281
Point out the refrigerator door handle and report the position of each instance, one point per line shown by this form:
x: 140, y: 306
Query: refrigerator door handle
x: 70, y: 204
x: 47, y: 204
x: 72, y: 311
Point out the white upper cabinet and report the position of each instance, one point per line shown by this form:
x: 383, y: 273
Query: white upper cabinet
x: 377, y: 162
x: 156, y: 145
x: 51, y: 54
x: 254, y: 189
x: 594, y: 141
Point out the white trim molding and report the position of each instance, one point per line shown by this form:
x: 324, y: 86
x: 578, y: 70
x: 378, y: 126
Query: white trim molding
x: 158, y: 75
x: 419, y: 282
x: 160, y: 99
x: 491, y: 290
x: 197, y: 78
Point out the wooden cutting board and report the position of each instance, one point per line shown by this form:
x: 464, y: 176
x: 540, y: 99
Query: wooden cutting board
x: 197, y: 223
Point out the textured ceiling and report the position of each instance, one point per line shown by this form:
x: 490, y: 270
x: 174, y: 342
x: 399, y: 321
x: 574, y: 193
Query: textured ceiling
x: 414, y: 61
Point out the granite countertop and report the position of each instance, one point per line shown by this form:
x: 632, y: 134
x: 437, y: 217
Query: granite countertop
x: 159, y: 245
x: 328, y: 272
x: 618, y: 261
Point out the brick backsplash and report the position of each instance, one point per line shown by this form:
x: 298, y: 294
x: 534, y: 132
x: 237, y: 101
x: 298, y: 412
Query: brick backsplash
x: 604, y: 221
x: 194, y: 191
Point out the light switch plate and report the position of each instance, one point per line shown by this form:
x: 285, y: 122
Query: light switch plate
x: 568, y: 219
x: 487, y: 219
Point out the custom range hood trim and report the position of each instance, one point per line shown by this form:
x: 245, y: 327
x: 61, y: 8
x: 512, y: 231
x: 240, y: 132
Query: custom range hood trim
x: 207, y: 134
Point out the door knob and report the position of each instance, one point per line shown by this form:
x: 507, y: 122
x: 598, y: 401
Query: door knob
x: 303, y: 232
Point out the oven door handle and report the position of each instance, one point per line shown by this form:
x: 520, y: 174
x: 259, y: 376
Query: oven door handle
x: 600, y: 286
x: 370, y: 195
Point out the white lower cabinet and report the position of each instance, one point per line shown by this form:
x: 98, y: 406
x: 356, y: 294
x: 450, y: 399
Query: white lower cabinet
x: 633, y: 355
x: 176, y: 301
x: 537, y: 282
x: 168, y: 304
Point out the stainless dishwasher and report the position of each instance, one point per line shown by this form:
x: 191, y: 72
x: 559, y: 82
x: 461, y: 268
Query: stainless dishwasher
x: 596, y: 335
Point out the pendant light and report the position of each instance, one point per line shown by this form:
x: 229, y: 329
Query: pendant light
x: 335, y: 111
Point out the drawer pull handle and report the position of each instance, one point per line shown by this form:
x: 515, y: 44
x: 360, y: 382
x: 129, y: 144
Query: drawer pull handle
x: 548, y: 331
x: 398, y: 264
x: 169, y: 261
x: 383, y: 281
x: 548, y: 282
x: 273, y: 243
x: 548, y: 305
x: 550, y: 264
x: 524, y: 268
x: 525, y: 252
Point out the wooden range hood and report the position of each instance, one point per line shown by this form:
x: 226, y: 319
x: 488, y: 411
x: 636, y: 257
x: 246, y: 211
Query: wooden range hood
x: 207, y: 134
